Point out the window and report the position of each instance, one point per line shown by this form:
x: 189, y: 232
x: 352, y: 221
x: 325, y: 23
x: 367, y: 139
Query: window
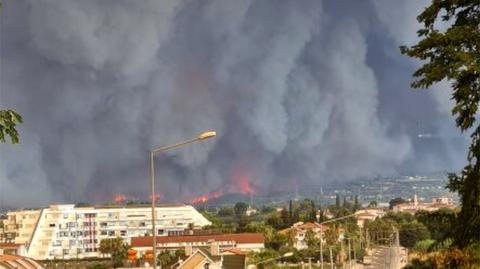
x: 51, y: 225
x: 111, y: 233
x: 123, y: 233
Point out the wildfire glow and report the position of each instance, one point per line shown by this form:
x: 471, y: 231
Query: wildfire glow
x: 119, y: 198
x: 204, y: 198
x: 244, y: 186
x: 240, y: 183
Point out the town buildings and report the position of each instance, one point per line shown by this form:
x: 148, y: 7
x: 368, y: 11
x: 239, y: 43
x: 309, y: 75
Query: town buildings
x: 244, y: 242
x: 369, y: 214
x: 416, y: 205
x: 299, y: 232
x: 212, y: 258
x: 66, y: 231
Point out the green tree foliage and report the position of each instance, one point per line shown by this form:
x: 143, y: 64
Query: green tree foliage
x: 380, y: 230
x: 424, y: 246
x: 356, y: 204
x: 311, y: 240
x: 307, y: 211
x: 240, y: 209
x: 276, y: 241
x: 9, y: 120
x: 265, y: 255
x: 396, y: 201
x: 452, y: 54
x: 275, y: 220
x: 337, y: 200
x: 225, y: 212
x: 440, y: 223
x: 116, y: 248
x: 399, y: 217
x: 412, y: 232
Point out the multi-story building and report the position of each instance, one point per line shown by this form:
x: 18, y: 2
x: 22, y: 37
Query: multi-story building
x: 19, y: 225
x: 66, y: 231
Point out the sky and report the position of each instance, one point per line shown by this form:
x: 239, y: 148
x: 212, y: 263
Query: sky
x: 300, y: 93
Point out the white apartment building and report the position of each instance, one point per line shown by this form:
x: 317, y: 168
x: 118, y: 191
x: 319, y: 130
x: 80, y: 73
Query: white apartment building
x: 66, y: 231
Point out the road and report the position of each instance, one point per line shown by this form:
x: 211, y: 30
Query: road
x: 386, y: 258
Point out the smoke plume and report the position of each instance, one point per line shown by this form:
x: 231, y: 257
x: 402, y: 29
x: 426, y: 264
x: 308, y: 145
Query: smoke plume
x: 311, y: 91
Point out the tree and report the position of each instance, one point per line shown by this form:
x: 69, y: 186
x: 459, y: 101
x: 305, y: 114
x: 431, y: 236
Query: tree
x: 116, y: 248
x: 413, y: 232
x: 285, y: 217
x: 439, y: 223
x: 165, y: 258
x: 240, y: 209
x: 275, y: 240
x: 396, y: 201
x: 337, y: 200
x: 356, y: 205
x: 451, y: 54
x: 225, y: 212
x: 8, y: 123
x: 311, y: 240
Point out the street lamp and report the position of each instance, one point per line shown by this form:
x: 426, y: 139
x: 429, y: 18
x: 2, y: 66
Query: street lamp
x: 288, y: 254
x: 156, y: 150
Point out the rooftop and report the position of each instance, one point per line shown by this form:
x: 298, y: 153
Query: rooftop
x: 146, y: 241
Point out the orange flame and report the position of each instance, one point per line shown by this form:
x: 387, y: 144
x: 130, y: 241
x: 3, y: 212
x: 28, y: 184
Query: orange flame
x: 204, y: 198
x: 119, y: 198
x: 244, y: 186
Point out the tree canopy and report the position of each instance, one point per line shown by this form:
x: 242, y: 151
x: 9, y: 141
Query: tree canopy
x: 9, y: 120
x: 449, y: 49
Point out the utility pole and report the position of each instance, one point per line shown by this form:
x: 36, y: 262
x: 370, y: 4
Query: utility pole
x: 331, y: 259
x: 354, y: 252
x: 309, y: 262
x: 349, y: 254
x: 367, y: 237
x: 321, y: 246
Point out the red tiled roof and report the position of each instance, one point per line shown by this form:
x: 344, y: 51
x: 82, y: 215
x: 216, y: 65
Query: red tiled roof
x: 238, y: 238
x: 305, y: 226
x: 19, y: 262
x: 9, y: 245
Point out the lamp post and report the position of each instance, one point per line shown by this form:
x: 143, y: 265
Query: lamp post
x: 156, y: 150
x: 288, y: 254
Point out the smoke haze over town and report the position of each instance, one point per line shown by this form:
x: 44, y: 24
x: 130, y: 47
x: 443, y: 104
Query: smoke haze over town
x: 299, y: 92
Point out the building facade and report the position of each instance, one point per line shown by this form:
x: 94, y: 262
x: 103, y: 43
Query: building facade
x: 66, y: 231
x: 245, y: 242
x: 299, y: 232
x: 416, y: 205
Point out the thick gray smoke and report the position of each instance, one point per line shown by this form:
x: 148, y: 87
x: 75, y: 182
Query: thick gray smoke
x: 304, y: 91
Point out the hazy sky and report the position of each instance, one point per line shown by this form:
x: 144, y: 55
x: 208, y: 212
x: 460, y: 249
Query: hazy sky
x: 310, y: 92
